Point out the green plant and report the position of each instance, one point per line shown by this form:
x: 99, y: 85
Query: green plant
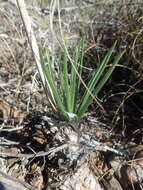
x: 65, y: 94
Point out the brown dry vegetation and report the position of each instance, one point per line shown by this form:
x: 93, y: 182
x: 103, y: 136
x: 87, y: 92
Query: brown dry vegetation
x: 28, y: 127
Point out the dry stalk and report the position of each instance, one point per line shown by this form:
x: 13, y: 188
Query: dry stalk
x: 35, y: 49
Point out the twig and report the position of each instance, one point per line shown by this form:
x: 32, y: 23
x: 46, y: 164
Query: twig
x: 114, y: 3
x: 90, y: 141
x: 92, y: 145
x: 8, y: 144
x: 12, y: 129
x: 39, y: 154
x: 90, y: 22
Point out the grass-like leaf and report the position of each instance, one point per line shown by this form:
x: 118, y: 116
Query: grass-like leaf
x: 98, y: 86
x: 66, y: 93
x: 93, y: 82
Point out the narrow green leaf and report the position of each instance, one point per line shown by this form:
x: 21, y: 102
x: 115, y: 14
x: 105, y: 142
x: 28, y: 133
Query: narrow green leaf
x: 101, y: 83
x: 73, y: 80
x: 53, y: 85
x: 96, y: 76
x: 81, y: 56
x: 94, y: 80
x: 80, y: 69
x: 66, y: 85
x: 108, y: 73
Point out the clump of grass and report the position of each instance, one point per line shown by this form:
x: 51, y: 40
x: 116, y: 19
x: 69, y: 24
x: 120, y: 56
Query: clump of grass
x: 65, y: 92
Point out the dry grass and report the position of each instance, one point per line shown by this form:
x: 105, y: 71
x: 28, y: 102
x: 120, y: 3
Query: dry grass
x: 101, y: 24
